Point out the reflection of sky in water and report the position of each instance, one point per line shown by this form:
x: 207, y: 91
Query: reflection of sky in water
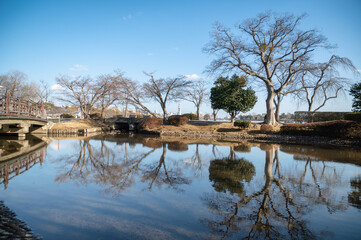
x: 90, y: 206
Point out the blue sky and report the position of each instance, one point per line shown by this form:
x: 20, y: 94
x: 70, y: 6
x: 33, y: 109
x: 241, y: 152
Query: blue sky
x: 48, y: 38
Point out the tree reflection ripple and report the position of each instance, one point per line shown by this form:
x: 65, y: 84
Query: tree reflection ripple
x: 275, y: 209
x: 136, y: 187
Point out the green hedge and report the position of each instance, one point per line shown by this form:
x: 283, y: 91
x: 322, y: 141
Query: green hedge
x: 339, y: 129
x: 66, y: 115
x: 191, y: 116
x: 242, y: 124
x: 355, y: 116
x: 301, y: 116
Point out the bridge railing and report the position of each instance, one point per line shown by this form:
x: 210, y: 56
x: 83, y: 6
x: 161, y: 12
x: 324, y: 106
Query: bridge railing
x: 15, y: 167
x: 21, y: 108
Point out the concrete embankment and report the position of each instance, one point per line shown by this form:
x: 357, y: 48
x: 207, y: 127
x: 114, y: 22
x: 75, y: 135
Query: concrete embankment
x: 73, y: 128
x: 72, y: 132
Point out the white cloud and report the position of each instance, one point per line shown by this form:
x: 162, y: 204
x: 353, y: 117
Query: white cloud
x: 131, y: 16
x: 56, y: 87
x: 127, y: 17
x: 78, y: 67
x: 150, y: 54
x: 192, y: 76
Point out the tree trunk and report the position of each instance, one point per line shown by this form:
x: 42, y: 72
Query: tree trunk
x: 270, y: 115
x: 214, y: 115
x: 197, y: 112
x: 102, y: 113
x: 126, y: 109
x: 277, y: 105
x: 233, y: 116
x: 83, y: 112
x: 164, y: 114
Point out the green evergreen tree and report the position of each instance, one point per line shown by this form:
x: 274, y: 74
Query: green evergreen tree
x: 355, y: 91
x: 230, y: 95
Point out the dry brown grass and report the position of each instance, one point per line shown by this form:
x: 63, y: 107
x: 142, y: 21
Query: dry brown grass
x: 207, y: 127
x: 201, y: 126
x: 78, y: 124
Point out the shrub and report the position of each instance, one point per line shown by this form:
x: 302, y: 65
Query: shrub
x: 355, y: 116
x: 191, y: 116
x: 66, y: 115
x: 150, y: 123
x: 207, y: 117
x: 340, y: 128
x: 242, y: 124
x: 301, y: 116
x: 95, y: 115
x: 178, y: 120
x: 265, y: 128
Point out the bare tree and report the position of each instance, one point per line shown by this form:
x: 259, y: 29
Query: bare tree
x: 162, y: 90
x: 321, y: 82
x: 265, y: 46
x: 83, y: 92
x: 44, y: 91
x: 17, y: 85
x: 132, y: 93
x: 12, y: 81
x: 111, y: 94
x: 196, y: 94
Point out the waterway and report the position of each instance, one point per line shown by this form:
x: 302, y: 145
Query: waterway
x: 133, y: 187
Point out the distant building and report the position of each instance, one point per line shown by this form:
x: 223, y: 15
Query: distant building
x: 179, y: 110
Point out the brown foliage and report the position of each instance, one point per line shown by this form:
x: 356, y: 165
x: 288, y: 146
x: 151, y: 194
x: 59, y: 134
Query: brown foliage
x: 178, y: 120
x: 177, y: 146
x: 339, y: 128
x: 266, y: 146
x: 152, y: 143
x: 265, y: 128
x: 150, y: 123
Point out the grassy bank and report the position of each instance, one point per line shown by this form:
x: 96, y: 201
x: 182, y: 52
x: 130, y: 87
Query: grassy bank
x: 340, y: 133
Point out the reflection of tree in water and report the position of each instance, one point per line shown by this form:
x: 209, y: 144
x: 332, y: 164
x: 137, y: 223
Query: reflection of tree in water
x: 117, y: 171
x: 195, y: 162
x: 273, y: 211
x: 228, y: 174
x: 157, y: 173
x: 355, y: 196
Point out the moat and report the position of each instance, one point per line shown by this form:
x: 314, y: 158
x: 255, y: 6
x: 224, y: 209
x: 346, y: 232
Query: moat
x: 145, y: 187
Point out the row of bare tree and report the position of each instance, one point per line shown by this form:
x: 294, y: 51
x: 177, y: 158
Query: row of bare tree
x: 106, y: 90
x: 17, y: 85
x: 89, y: 93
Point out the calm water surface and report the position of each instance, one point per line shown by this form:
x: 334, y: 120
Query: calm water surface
x: 120, y: 187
